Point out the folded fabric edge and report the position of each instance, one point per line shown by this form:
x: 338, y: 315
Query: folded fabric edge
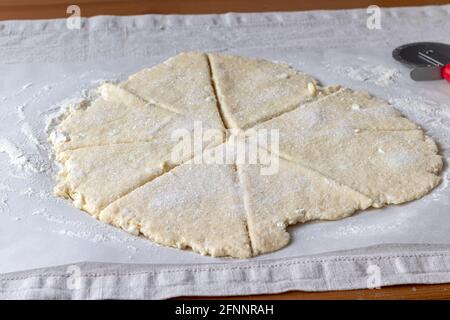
x: 369, y: 267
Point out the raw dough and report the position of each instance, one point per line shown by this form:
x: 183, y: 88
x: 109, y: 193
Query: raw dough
x: 250, y: 90
x: 339, y: 151
x: 195, y: 205
x: 295, y: 194
x: 370, y: 148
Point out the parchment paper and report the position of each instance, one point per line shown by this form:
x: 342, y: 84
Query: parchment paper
x: 43, y: 65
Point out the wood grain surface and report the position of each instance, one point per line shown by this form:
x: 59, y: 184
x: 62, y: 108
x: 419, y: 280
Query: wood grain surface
x: 410, y: 292
x: 43, y: 9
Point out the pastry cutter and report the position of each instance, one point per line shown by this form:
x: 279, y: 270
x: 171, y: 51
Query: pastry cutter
x: 429, y: 60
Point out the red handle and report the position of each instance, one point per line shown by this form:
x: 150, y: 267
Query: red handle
x: 446, y: 72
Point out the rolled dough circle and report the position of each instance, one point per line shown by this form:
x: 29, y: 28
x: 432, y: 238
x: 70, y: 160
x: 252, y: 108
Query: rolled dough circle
x: 339, y: 151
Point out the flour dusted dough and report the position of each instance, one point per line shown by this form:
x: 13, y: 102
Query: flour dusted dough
x: 96, y: 176
x: 181, y: 84
x: 371, y: 148
x: 199, y: 206
x: 296, y: 194
x: 343, y: 108
x: 254, y: 90
x: 340, y: 151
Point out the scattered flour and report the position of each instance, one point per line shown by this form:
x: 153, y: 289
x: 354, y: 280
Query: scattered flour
x: 355, y: 229
x: 94, y: 237
x: 21, y: 112
x: 28, y: 156
x: 46, y: 88
x: 17, y: 157
x: 379, y: 74
x: 57, y: 113
x: 98, y: 82
x: 3, y: 201
x: 434, y: 117
x: 27, y: 131
x: 5, y: 187
x: 25, y: 87
x: 83, y: 230
x: 29, y: 192
x: 55, y: 219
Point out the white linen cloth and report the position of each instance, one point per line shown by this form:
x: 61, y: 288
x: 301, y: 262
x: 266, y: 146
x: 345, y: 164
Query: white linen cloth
x: 50, y: 250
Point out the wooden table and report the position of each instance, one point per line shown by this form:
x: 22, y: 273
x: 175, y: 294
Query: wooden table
x: 409, y: 292
x: 41, y: 9
x: 32, y: 9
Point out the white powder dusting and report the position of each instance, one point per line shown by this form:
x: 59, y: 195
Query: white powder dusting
x: 5, y: 187
x: 401, y: 158
x: 17, y: 157
x: 354, y: 229
x: 376, y: 74
x: 3, y: 201
x: 24, y: 88
x: 30, y: 192
x: 98, y: 82
x: 434, y: 117
x: 82, y: 230
x: 57, y: 219
x: 27, y: 153
x: 74, y: 234
x: 21, y: 112
x: 27, y: 131
x: 445, y: 181
x: 94, y: 237
x: 57, y: 113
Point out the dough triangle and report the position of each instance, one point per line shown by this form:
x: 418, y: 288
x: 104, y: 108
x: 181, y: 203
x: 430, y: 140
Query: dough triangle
x: 104, y: 122
x: 96, y: 176
x: 390, y: 167
x: 345, y: 108
x: 195, y: 205
x: 251, y: 90
x: 361, y: 142
x: 290, y: 195
x: 124, y: 119
x: 181, y: 84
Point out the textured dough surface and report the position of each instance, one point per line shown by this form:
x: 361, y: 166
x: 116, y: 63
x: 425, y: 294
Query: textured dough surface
x: 94, y: 177
x: 181, y: 84
x: 206, y: 213
x: 372, y: 149
x: 340, y: 151
x: 253, y: 90
x: 295, y: 194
